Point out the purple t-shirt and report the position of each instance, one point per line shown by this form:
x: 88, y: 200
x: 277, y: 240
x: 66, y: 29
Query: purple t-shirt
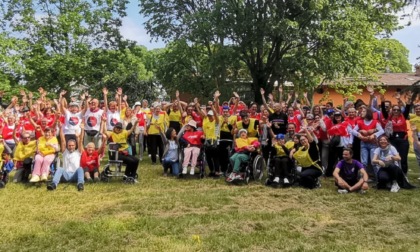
x: 349, y: 171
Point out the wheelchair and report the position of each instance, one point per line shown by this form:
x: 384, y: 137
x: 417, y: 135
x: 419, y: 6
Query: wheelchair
x: 293, y: 172
x: 114, y: 168
x: 252, y: 169
x: 201, y: 162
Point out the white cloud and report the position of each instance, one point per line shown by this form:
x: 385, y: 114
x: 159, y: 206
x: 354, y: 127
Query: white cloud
x: 135, y: 31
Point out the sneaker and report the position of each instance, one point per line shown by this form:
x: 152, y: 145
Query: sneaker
x: 231, y: 177
x: 418, y: 178
x: 51, y: 187
x: 276, y: 180
x: 192, y: 171
x: 136, y: 181
x: 342, y: 191
x: 96, y: 179
x: 34, y: 179
x: 286, y: 181
x: 395, y: 187
x: 89, y: 180
x: 184, y: 170
x: 80, y: 187
x: 44, y: 177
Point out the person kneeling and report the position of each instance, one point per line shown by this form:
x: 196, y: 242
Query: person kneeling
x: 71, y: 170
x: 350, y: 175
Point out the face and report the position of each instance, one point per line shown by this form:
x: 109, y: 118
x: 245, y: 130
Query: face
x: 277, y: 107
x: 245, y: 119
x: 253, y: 108
x: 189, y: 110
x: 90, y: 148
x: 71, y: 146
x: 346, y: 155
x: 383, y: 142
x: 290, y: 111
x: 25, y: 138
x: 117, y: 130
x: 226, y: 113
x: 351, y: 112
x: 309, y: 120
x: 265, y: 113
x: 243, y: 134
x: 317, y: 110
x: 387, y: 106
x: 112, y: 107
x: 173, y: 133
x: 363, y: 114
x: 291, y: 129
x: 296, y: 139
x: 10, y: 119
x: 304, y: 141
x: 128, y: 112
x: 48, y: 134
x: 337, y: 118
x: 396, y: 110
x: 74, y: 109
x: 94, y: 104
x: 157, y: 110
x: 417, y: 109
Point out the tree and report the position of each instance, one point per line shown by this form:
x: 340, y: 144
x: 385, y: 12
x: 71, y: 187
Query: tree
x: 316, y: 40
x: 394, y: 56
x: 59, y: 34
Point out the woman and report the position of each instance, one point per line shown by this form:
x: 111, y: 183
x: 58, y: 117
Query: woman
x: 157, y: 120
x: 308, y: 157
x: 399, y: 137
x: 386, y: 160
x: 90, y: 159
x: 193, y: 140
x: 120, y: 136
x: 47, y: 146
x: 243, y: 146
x: 171, y: 152
x: 128, y: 122
x: 282, y: 161
x: 367, y: 130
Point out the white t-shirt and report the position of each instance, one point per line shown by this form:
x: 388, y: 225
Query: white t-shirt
x: 383, y: 154
x: 71, y: 160
x: 72, y: 122
x: 112, y: 119
x: 93, y: 119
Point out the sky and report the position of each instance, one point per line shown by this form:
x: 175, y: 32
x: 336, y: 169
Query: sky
x: 133, y: 29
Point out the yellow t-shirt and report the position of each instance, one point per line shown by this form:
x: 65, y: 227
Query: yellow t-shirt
x: 209, y: 129
x: 160, y: 120
x: 23, y: 151
x: 415, y: 120
x: 280, y: 151
x: 46, y: 150
x: 225, y: 126
x: 175, y: 116
x: 120, y: 138
x: 243, y: 142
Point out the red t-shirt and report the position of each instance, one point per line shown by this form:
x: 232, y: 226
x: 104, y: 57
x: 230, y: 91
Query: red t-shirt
x: 91, y: 162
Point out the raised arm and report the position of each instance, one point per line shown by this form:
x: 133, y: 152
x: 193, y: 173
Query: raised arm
x: 62, y: 138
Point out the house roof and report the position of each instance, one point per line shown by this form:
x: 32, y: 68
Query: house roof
x: 398, y: 79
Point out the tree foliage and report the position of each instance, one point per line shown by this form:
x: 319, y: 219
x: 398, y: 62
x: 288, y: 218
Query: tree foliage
x: 301, y: 40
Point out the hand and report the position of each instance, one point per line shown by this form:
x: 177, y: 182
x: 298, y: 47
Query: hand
x: 305, y: 94
x: 119, y: 91
x: 270, y: 96
x: 22, y: 92
x: 370, y: 90
x: 289, y: 96
x: 195, y: 100
x: 296, y: 95
x: 217, y: 94
x: 381, y: 163
x: 24, y: 99
x: 280, y: 88
x: 62, y: 93
x: 397, y: 95
x: 236, y: 95
x: 125, y: 98
x: 105, y: 91
x: 177, y: 94
x: 262, y: 91
x: 30, y: 95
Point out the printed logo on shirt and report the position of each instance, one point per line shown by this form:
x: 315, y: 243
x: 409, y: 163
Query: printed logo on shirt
x: 92, y: 121
x: 73, y: 121
x: 113, y: 121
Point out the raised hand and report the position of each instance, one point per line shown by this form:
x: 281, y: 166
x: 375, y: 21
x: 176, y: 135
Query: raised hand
x: 216, y: 94
x: 177, y: 94
x: 62, y: 93
x: 105, y: 91
x: 236, y: 95
x: 30, y: 95
x: 125, y: 98
x: 262, y: 91
x: 119, y: 91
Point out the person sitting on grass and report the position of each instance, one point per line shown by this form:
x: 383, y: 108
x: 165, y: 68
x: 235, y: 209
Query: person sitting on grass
x: 6, y: 165
x: 350, y: 175
x: 46, y: 148
x: 71, y: 170
x: 243, y: 146
x: 90, y: 160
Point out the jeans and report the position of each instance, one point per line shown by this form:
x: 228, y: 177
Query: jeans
x: 366, y: 154
x: 174, y: 165
x: 65, y: 176
x: 402, y: 146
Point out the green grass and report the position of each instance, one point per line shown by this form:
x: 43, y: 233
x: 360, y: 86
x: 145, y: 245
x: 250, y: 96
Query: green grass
x: 166, y: 214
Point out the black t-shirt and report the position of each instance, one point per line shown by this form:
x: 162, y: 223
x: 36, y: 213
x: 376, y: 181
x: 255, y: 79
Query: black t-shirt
x: 279, y: 123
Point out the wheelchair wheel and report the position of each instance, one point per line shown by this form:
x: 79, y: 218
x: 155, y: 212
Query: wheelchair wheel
x: 258, y: 167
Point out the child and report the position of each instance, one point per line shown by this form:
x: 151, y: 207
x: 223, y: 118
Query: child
x: 6, y: 167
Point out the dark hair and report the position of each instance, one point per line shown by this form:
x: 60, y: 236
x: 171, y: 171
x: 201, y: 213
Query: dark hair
x: 383, y: 136
x: 369, y: 114
x: 335, y: 121
x: 168, y: 133
x: 349, y: 150
x: 331, y: 104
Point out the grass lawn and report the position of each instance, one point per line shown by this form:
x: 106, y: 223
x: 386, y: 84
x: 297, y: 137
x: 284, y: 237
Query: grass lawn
x: 166, y: 214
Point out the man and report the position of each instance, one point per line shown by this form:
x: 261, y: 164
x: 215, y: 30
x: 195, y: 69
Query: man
x: 278, y: 120
x: 71, y: 170
x: 350, y: 175
x: 92, y: 115
x: 24, y: 152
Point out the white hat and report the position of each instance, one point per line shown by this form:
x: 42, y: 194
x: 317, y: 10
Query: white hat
x: 73, y: 104
x: 242, y: 130
x: 137, y: 104
x: 210, y: 113
x: 193, y: 124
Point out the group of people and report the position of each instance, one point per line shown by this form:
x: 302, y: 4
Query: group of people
x: 360, y: 141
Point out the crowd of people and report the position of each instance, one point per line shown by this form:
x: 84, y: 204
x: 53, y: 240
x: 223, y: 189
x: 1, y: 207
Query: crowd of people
x: 355, y: 142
